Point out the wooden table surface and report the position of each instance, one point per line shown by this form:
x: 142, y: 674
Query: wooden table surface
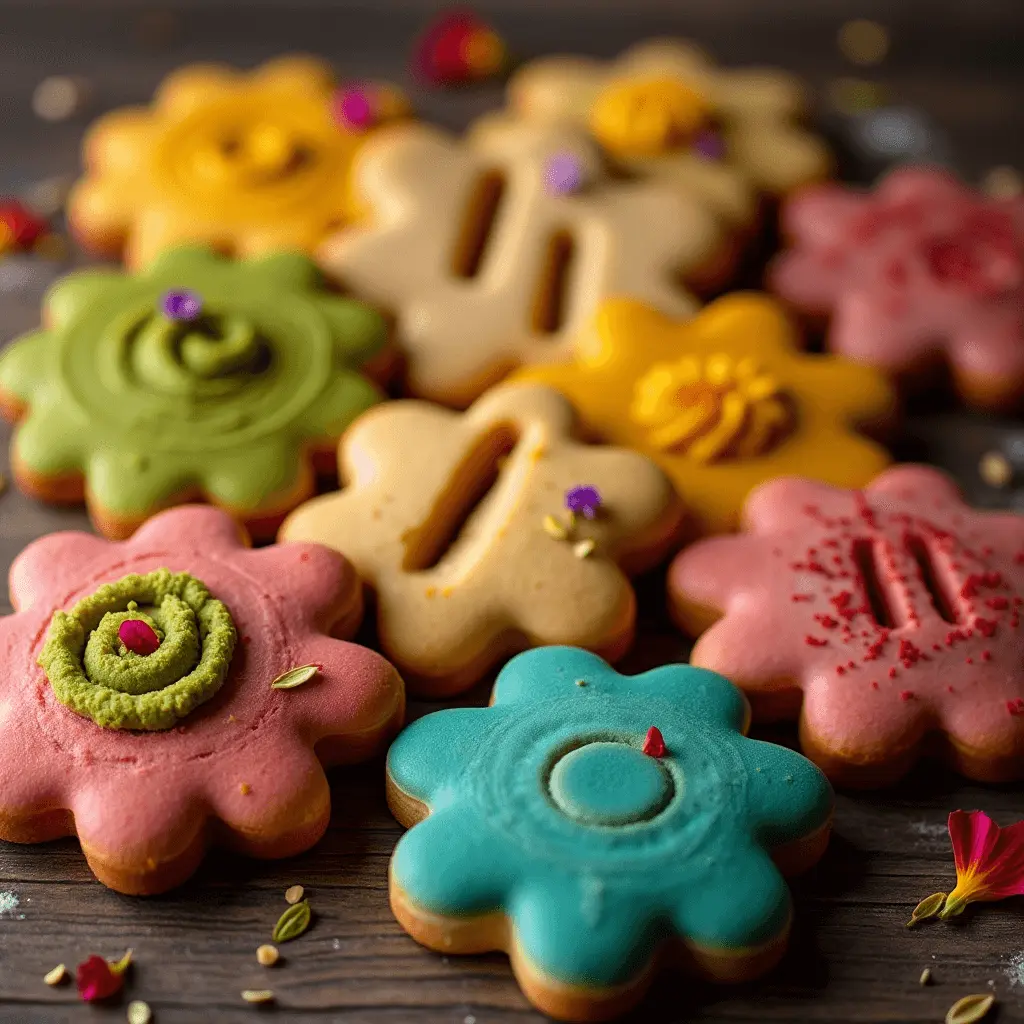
x: 850, y: 959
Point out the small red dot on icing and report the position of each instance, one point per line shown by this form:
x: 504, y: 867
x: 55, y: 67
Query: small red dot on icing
x: 1015, y: 706
x: 969, y: 661
x: 813, y: 641
x: 874, y: 684
x: 893, y: 673
x: 654, y: 743
x: 997, y: 603
x: 986, y: 655
x: 304, y: 557
x: 906, y: 694
x: 986, y: 627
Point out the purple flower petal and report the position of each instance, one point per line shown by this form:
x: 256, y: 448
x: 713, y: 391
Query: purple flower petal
x: 583, y: 499
x: 181, y: 304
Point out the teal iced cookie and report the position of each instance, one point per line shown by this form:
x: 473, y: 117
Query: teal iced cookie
x: 541, y: 826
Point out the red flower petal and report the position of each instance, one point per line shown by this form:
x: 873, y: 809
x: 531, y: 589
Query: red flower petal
x: 96, y: 980
x: 989, y: 859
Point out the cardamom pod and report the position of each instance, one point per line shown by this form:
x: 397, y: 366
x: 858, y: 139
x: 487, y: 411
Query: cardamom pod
x: 970, y: 1009
x: 293, y: 922
x: 928, y: 907
x: 953, y: 908
x: 295, y: 677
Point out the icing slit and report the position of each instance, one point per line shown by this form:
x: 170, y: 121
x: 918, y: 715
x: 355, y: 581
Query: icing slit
x: 865, y: 556
x: 944, y: 603
x: 478, y: 222
x: 465, y: 494
x: 552, y: 286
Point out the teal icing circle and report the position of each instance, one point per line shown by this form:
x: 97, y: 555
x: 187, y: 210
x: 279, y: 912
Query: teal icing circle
x: 608, y: 783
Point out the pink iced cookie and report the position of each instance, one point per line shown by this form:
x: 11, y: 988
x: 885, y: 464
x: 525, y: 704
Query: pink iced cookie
x: 887, y: 619
x: 148, y: 754
x: 922, y: 269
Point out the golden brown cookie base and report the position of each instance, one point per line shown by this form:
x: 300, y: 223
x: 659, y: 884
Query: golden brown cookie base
x: 486, y: 932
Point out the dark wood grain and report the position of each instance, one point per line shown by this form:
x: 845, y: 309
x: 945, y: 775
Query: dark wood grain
x: 851, y: 959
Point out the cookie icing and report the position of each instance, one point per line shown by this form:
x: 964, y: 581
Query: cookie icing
x: 443, y: 514
x: 594, y: 851
x: 895, y: 611
x: 664, y: 110
x: 146, y: 406
x: 244, y: 765
x: 494, y: 250
x: 93, y: 672
x: 723, y: 401
x: 248, y: 162
x: 920, y: 267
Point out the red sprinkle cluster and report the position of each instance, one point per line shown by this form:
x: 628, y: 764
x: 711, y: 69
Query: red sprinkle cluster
x: 914, y: 563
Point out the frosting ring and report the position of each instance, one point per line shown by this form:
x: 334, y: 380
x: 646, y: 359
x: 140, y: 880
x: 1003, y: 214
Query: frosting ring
x: 516, y: 757
x: 94, y: 675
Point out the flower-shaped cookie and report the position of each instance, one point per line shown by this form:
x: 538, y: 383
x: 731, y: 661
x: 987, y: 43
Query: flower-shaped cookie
x: 248, y: 162
x: 553, y: 834
x: 457, y: 522
x: 891, y: 616
x: 225, y: 754
x: 921, y: 269
x: 199, y: 376
x: 494, y: 250
x: 722, y: 402
x: 663, y: 109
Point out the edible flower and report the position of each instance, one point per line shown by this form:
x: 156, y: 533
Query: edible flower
x: 989, y: 860
x: 584, y: 500
x: 563, y: 174
x: 181, y: 304
x: 99, y: 979
x: 138, y: 637
x: 458, y: 47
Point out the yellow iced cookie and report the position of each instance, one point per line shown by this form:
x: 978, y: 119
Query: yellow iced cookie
x: 722, y: 402
x: 248, y: 162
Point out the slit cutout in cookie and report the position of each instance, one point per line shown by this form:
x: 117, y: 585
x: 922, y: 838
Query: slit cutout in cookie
x: 865, y: 557
x: 945, y: 604
x: 478, y: 222
x: 552, y: 292
x: 467, y: 490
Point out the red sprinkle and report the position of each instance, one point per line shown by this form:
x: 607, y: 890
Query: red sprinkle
x: 1016, y: 706
x: 874, y: 684
x: 906, y: 694
x: 827, y: 621
x: 654, y: 743
x: 813, y: 641
x: 893, y: 673
x: 986, y: 627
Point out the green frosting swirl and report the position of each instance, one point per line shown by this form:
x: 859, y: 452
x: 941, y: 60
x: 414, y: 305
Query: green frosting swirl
x: 94, y: 675
x: 197, y: 358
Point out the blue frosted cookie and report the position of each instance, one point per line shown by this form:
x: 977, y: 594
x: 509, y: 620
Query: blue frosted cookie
x: 591, y: 824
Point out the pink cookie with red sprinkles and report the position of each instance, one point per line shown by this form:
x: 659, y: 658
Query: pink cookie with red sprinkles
x: 920, y: 271
x: 887, y: 620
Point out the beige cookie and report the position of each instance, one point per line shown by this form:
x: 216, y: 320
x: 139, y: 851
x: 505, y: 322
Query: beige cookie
x: 456, y: 521
x: 494, y: 251
x: 665, y: 110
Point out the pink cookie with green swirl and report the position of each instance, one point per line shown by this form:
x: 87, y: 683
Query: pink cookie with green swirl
x: 138, y: 705
x: 922, y: 270
x: 887, y: 620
